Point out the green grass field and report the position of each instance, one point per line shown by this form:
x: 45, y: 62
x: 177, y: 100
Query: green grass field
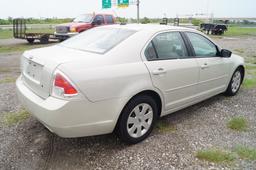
x: 250, y: 80
x: 6, y: 34
x: 240, y: 31
x: 21, y: 47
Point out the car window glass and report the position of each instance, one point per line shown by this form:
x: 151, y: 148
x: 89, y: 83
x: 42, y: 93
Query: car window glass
x: 202, y: 46
x: 84, y: 18
x: 98, y: 40
x: 150, y: 52
x: 99, y: 18
x: 109, y: 19
x: 170, y: 46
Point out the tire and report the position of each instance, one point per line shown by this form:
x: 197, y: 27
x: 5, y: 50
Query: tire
x: 44, y: 39
x: 138, y: 118
x: 235, y: 82
x: 30, y: 40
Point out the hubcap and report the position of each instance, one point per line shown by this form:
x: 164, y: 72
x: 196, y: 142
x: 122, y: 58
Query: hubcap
x: 140, y: 120
x: 236, y: 81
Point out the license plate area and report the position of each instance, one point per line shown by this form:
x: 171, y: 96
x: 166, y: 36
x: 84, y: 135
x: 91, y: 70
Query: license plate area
x: 32, y: 70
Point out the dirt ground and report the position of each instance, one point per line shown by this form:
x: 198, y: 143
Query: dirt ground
x: 28, y: 145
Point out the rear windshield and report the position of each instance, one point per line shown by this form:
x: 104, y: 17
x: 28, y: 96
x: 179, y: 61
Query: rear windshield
x: 98, y: 40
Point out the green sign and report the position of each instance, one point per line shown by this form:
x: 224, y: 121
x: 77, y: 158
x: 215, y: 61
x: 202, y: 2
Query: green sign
x: 123, y: 3
x: 106, y: 4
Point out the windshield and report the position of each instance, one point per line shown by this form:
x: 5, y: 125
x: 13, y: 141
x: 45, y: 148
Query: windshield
x: 98, y: 40
x: 84, y: 18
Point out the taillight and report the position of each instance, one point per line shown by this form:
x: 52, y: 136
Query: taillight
x: 62, y: 87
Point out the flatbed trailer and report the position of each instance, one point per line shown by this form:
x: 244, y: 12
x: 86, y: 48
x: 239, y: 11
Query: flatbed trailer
x: 20, y: 32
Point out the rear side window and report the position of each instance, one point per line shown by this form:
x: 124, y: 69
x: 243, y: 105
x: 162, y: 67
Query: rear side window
x: 165, y: 46
x: 98, y: 40
x: 202, y: 46
x: 109, y: 19
x: 150, y: 52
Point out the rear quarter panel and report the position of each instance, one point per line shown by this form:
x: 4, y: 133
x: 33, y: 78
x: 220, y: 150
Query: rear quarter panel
x: 108, y: 82
x: 119, y: 73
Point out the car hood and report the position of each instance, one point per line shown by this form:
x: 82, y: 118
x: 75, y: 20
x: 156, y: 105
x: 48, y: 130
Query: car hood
x: 74, y: 24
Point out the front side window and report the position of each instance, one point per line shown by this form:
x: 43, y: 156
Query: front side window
x: 99, y: 20
x: 168, y: 45
x: 98, y: 40
x: 202, y: 46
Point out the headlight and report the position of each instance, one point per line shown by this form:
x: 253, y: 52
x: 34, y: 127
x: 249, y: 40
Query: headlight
x: 73, y: 29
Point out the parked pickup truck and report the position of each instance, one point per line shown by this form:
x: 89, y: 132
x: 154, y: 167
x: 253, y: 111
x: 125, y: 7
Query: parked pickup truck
x: 81, y: 23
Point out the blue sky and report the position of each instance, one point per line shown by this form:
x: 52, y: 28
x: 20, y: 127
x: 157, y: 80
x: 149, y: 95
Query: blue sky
x: 149, y: 8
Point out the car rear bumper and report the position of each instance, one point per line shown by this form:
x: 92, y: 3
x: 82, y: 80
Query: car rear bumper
x: 69, y: 118
x: 65, y: 35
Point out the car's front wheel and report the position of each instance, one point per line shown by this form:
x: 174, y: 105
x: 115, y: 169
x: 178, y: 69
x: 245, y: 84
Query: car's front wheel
x: 137, y: 119
x: 235, y: 82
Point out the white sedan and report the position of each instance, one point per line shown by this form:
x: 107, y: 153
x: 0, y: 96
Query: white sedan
x: 122, y: 78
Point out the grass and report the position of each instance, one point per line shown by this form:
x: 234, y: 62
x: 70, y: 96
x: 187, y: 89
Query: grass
x: 250, y: 80
x: 245, y: 152
x: 249, y: 83
x: 7, y: 34
x: 240, y: 31
x: 216, y: 155
x: 164, y: 126
x: 239, y: 50
x: 16, y: 117
x: 238, y: 124
x: 20, y: 47
x: 250, y: 67
x: 5, y: 70
x: 8, y: 80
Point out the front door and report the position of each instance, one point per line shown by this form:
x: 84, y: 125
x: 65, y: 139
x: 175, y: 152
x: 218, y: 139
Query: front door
x: 172, y: 70
x: 213, y: 68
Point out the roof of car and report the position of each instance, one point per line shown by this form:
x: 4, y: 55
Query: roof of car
x: 151, y: 27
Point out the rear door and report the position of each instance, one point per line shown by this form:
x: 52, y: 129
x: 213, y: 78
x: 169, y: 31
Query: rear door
x: 213, y: 68
x: 173, y: 71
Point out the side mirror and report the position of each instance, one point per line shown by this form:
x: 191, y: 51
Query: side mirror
x: 96, y: 22
x: 225, y: 53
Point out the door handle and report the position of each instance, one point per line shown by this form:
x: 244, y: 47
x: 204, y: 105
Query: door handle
x: 204, y: 66
x: 159, y: 71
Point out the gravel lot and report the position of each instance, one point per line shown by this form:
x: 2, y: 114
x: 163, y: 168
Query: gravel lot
x: 28, y: 145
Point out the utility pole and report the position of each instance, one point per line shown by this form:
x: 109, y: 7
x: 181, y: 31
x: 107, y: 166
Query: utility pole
x: 138, y: 11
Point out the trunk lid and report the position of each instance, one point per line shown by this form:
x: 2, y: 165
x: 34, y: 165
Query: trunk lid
x: 38, y: 66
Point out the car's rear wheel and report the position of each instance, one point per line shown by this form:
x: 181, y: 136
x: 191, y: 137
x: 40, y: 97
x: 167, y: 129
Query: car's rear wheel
x: 137, y: 119
x: 235, y: 82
